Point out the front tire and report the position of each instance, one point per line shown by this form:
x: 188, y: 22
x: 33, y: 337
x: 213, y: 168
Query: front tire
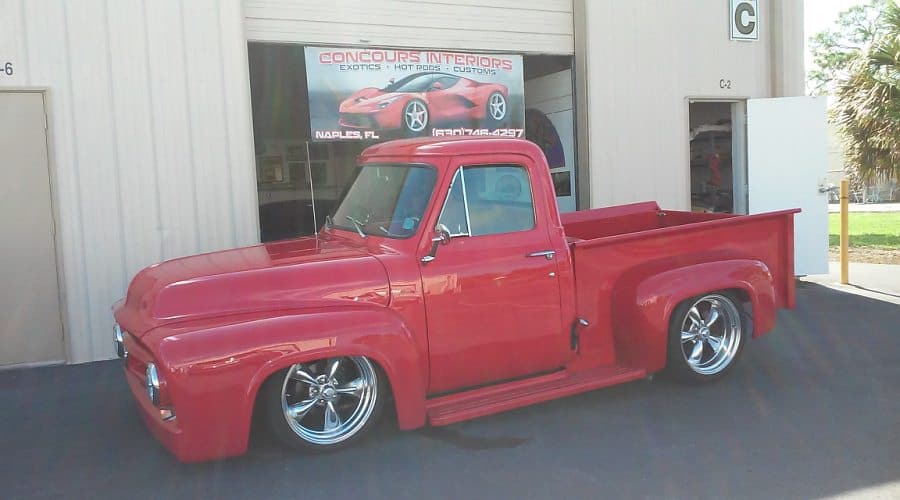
x: 706, y: 337
x: 324, y: 405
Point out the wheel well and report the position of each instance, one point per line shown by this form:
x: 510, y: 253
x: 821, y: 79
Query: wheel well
x: 746, y: 307
x: 739, y: 293
x: 256, y: 416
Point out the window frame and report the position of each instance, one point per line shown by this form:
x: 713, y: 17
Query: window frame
x: 460, y: 172
x: 349, y: 185
x: 462, y: 177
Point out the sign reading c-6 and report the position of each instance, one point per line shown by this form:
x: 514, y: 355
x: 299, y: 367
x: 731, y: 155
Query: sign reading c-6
x: 6, y: 68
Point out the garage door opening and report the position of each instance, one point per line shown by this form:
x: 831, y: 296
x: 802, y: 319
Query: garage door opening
x: 550, y: 120
x: 718, y: 157
x: 303, y: 168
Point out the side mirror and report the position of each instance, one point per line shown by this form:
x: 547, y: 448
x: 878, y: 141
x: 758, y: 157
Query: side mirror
x: 436, y: 86
x: 442, y: 234
x: 441, y: 237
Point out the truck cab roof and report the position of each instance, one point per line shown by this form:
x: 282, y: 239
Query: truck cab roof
x: 453, y: 146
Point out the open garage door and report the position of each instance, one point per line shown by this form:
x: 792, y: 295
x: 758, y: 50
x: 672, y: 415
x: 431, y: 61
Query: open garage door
x: 302, y: 169
x: 536, y: 26
x: 786, y: 166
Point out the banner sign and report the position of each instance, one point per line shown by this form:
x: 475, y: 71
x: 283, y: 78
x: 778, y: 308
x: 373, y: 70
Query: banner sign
x: 380, y: 94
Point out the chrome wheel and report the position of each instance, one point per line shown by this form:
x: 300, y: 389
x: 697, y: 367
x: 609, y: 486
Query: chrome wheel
x: 328, y: 401
x: 415, y: 116
x: 711, y: 334
x: 497, y: 106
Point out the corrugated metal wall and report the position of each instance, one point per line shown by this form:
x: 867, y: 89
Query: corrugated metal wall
x: 538, y: 26
x: 150, y: 138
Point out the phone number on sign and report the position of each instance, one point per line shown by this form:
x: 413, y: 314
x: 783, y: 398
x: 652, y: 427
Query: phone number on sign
x: 498, y: 132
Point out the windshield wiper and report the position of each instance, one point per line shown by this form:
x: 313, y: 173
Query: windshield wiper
x: 358, y: 225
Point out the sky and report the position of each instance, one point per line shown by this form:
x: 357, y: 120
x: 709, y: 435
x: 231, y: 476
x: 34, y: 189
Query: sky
x: 821, y: 14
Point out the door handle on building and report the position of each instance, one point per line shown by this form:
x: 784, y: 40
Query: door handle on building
x: 548, y: 254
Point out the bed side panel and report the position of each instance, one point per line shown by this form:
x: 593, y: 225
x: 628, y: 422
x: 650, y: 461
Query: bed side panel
x: 602, y: 264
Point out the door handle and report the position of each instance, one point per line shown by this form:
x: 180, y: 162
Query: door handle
x: 548, y: 254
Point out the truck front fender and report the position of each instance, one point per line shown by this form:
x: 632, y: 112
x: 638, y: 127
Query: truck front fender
x: 216, y: 371
x: 644, y: 304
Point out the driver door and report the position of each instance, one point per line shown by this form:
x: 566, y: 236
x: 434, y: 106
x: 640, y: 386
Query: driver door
x: 492, y: 297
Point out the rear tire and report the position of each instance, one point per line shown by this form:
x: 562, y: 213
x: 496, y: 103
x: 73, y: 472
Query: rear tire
x: 706, y: 337
x: 324, y: 405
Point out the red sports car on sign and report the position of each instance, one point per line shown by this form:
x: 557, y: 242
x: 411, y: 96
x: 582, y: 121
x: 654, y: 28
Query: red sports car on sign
x: 422, y: 100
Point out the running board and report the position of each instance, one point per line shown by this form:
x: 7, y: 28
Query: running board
x: 498, y: 398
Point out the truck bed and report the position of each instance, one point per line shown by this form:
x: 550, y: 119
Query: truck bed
x: 608, y: 244
x: 628, y: 219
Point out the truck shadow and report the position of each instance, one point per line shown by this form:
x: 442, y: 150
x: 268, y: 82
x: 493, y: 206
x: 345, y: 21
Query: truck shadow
x: 457, y: 438
x: 811, y: 410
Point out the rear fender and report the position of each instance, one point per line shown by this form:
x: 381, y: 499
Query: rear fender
x: 224, y: 367
x: 644, y: 306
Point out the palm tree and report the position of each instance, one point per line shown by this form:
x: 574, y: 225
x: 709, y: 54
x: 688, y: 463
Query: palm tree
x: 867, y: 108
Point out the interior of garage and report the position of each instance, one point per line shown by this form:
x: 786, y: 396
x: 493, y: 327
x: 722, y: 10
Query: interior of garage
x: 299, y: 180
x: 712, y: 157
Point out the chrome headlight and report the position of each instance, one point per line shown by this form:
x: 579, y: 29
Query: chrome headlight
x: 119, y: 342
x: 151, y: 382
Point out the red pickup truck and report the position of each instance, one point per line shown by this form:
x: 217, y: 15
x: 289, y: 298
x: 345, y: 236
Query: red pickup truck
x: 445, y: 283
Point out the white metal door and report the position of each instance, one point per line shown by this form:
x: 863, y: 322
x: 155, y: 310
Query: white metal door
x: 30, y: 326
x: 786, y: 164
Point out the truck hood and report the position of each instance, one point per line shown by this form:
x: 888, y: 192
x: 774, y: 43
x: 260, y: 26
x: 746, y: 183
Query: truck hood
x: 306, y: 272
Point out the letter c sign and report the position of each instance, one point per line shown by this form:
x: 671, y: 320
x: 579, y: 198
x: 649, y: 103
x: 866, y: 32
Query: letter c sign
x: 744, y: 19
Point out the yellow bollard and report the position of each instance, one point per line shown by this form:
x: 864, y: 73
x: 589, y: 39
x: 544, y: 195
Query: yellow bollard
x: 845, y: 231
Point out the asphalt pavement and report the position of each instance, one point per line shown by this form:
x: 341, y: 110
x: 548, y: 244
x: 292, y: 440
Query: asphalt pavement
x: 812, y: 410
x: 878, y: 281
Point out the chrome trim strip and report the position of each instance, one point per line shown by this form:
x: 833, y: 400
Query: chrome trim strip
x: 466, y: 200
x: 549, y: 254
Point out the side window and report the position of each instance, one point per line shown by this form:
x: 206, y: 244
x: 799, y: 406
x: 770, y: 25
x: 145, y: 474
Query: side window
x: 490, y: 199
x: 453, y: 215
x: 499, y: 199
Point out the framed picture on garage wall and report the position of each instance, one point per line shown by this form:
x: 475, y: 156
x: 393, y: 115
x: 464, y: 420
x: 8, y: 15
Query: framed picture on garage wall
x: 271, y: 170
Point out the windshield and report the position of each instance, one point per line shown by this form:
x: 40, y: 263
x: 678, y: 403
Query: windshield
x: 386, y: 200
x: 419, y: 82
